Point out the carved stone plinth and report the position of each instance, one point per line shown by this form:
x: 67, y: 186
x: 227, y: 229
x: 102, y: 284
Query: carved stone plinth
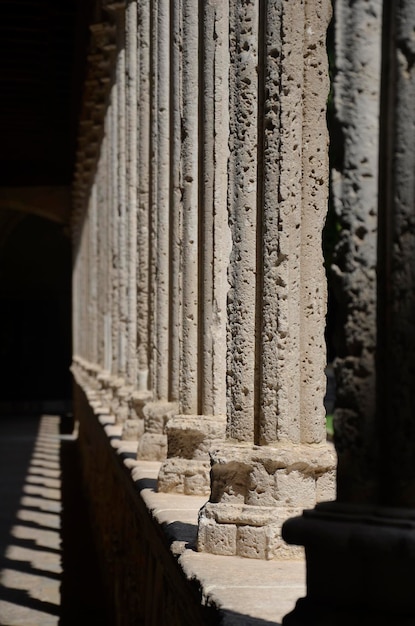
x: 187, y: 467
x: 134, y: 426
x: 254, y: 489
x: 152, y: 446
x: 360, y: 565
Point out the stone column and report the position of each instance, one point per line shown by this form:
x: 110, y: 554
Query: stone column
x: 153, y: 443
x: 102, y: 233
x: 131, y: 174
x: 136, y: 391
x: 355, y: 192
x: 276, y: 460
x: 121, y: 182
x: 205, y: 248
x: 143, y: 63
x: 108, y: 269
x: 139, y: 36
x: 360, y: 562
x: 175, y: 195
x: 89, y: 227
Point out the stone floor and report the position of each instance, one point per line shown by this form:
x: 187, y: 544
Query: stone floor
x: 48, y: 572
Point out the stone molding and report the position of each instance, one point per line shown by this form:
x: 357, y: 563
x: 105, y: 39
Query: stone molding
x: 254, y: 489
x: 187, y: 467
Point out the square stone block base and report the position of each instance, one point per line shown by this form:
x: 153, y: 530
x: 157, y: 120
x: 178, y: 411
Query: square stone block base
x: 247, y: 531
x: 187, y: 476
x: 187, y: 468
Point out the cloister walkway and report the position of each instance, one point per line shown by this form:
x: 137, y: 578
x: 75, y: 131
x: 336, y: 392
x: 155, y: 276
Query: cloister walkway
x: 48, y: 571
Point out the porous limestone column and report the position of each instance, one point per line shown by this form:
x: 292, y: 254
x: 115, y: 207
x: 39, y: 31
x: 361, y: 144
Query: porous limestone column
x: 143, y: 63
x: 205, y: 250
x: 153, y: 443
x: 276, y: 460
x: 190, y: 230
x: 216, y: 241
x: 108, y: 222
x: 140, y: 32
x: 360, y: 549
x: 132, y: 135
x: 120, y: 79
x: 135, y: 396
x: 112, y: 113
x: 175, y: 310
x: 102, y: 233
x: 355, y: 192
x: 87, y: 223
x: 93, y: 275
x: 138, y: 66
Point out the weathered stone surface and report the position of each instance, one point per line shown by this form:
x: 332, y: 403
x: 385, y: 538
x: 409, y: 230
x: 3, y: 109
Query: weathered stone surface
x: 260, y: 487
x: 184, y: 476
x: 187, y: 468
x: 396, y: 363
x: 157, y: 414
x: 152, y: 447
x: 355, y: 191
x: 191, y: 436
x: 252, y: 532
x: 202, y: 226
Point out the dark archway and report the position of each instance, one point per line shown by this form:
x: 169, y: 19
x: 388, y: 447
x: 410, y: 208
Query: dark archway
x: 35, y: 312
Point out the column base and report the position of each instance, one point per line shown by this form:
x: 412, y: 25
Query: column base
x: 187, y: 468
x: 152, y: 446
x: 252, y: 532
x: 360, y: 565
x: 254, y: 489
x: 134, y: 426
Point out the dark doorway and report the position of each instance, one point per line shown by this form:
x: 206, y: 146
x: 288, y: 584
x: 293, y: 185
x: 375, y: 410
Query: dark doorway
x: 35, y: 312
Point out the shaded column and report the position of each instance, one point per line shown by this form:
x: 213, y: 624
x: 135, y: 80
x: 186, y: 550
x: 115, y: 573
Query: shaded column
x: 355, y: 192
x: 360, y: 548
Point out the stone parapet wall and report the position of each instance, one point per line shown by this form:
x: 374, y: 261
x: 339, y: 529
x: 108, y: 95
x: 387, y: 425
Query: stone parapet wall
x: 142, y: 580
x: 146, y: 543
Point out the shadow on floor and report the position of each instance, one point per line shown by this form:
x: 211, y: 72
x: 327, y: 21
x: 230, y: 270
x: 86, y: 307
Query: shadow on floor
x: 48, y: 569
x: 82, y: 595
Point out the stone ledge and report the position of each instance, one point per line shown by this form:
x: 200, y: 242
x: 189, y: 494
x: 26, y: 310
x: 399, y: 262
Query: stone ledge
x: 238, y: 591
x: 244, y: 591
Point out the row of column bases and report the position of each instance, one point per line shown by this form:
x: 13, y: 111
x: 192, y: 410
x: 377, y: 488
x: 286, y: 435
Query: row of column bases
x: 199, y: 291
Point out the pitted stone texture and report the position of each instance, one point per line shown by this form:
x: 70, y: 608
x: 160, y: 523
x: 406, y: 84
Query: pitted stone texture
x: 354, y: 268
x: 152, y: 447
x: 157, y: 414
x: 190, y: 437
x: 122, y: 411
x: 257, y: 488
x: 115, y: 385
x: 396, y: 346
x: 191, y: 477
x: 250, y: 532
x: 134, y: 426
x: 261, y: 475
x: 133, y: 429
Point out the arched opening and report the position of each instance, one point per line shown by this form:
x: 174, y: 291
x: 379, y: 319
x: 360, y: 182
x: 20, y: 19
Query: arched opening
x: 35, y: 309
